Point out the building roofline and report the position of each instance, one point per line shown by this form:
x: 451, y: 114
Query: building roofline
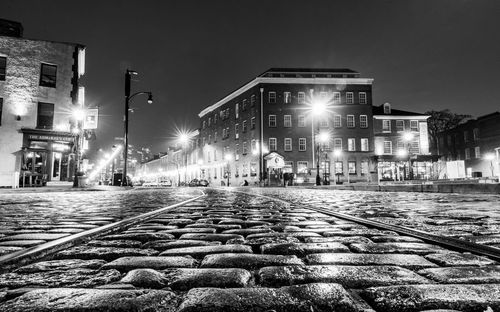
x: 283, y: 80
x: 42, y: 40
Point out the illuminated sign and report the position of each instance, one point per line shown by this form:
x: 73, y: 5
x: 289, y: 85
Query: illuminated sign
x: 90, y: 121
x: 46, y: 137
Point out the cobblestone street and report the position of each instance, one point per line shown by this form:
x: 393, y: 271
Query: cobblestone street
x: 230, y: 251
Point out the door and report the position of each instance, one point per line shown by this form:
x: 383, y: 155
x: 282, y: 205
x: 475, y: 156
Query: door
x: 56, y: 166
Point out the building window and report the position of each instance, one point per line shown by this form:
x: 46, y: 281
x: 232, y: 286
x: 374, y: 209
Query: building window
x: 349, y: 98
x: 302, y: 166
x: 237, y: 111
x: 400, y: 125
x: 364, y: 145
x: 209, y: 139
x: 363, y: 121
x: 413, y: 125
x: 287, y: 121
x: 386, y: 125
x: 237, y: 152
x: 351, y: 166
x: 287, y: 97
x: 339, y: 168
x: 364, y: 167
x: 48, y: 75
x: 253, y: 169
x: 45, y: 116
x: 323, y: 122
x: 288, y: 144
x: 466, y: 136
x: 302, y: 98
x: 351, y: 144
x: 245, y: 148
x: 336, y: 98
x: 204, y: 141
x: 387, y: 147
x: 272, y: 97
x: 337, y: 144
x: 252, y: 100
x: 253, y: 146
x: 302, y: 121
x: 215, y: 119
x: 467, y: 153
x: 387, y: 108
x: 302, y: 144
x: 337, y: 121
x: 475, y: 134
x: 252, y: 123
x: 3, y: 67
x: 215, y: 137
x: 272, y: 121
x: 272, y: 144
x: 477, y: 152
x: 244, y: 126
x: 362, y: 98
x: 244, y: 105
x: 237, y: 131
x: 350, y: 121
x: 1, y: 110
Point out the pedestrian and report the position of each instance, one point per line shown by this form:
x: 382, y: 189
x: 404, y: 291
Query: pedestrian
x: 245, y: 183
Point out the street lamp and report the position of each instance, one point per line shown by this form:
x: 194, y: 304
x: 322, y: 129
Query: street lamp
x: 228, y: 158
x: 407, y: 138
x: 318, y: 108
x: 184, y: 138
x: 128, y: 97
x: 337, y: 153
x: 490, y: 157
x: 323, y: 137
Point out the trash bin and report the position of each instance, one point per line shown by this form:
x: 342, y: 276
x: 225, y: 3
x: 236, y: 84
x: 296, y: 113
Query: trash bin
x: 82, y: 181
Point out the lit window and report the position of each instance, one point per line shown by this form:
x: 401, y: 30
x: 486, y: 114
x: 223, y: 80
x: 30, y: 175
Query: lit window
x: 244, y: 126
x: 48, y: 75
x: 272, y: 97
x: 351, y: 144
x: 45, y: 116
x: 336, y: 98
x: 272, y: 121
x: 387, y: 147
x: 339, y: 168
x: 400, y: 125
x: 349, y: 98
x: 363, y: 121
x: 302, y: 121
x: 287, y: 122
x: 287, y: 97
x: 477, y: 152
x: 252, y: 123
x: 386, y: 125
x: 253, y: 169
x: 236, y: 131
x: 337, y: 121
x: 350, y: 121
x: 302, y: 166
x: 288, y: 144
x: 272, y: 144
x: 413, y: 125
x: 301, y: 98
x: 237, y: 110
x: 237, y: 152
x: 337, y: 144
x: 302, y: 144
x: 351, y: 167
x: 364, y: 167
x: 364, y: 144
x: 215, y: 136
x: 362, y: 98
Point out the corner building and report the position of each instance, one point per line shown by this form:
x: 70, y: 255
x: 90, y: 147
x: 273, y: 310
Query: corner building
x: 39, y: 89
x: 267, y: 128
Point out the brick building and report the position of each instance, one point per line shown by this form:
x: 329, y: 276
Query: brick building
x: 401, y: 144
x: 266, y: 128
x: 477, y: 143
x: 39, y: 87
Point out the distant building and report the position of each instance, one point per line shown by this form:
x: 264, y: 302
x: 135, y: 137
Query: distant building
x: 477, y: 143
x: 39, y: 88
x: 266, y: 129
x: 401, y: 144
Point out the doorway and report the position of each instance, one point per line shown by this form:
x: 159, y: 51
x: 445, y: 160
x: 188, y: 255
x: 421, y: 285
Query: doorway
x: 56, y: 166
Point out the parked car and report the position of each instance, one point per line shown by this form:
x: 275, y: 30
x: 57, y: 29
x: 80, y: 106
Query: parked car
x: 196, y: 182
x: 165, y: 183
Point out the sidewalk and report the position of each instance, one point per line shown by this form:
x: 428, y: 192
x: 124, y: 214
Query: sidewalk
x: 61, y: 187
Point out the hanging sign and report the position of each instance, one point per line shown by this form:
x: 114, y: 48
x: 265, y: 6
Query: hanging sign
x: 90, y: 121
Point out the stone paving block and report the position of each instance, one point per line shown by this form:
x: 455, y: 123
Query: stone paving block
x: 158, y: 227
x: 210, y: 237
x: 485, y: 239
x: 299, y: 235
x: 395, y: 239
x: 463, y: 275
x: 127, y: 243
x: 34, y: 236
x: 348, y: 276
x: 459, y: 259
x: 59, y: 278
x: 413, y: 262
x: 158, y: 263
x: 181, y: 222
x: 413, y: 298
x: 248, y: 231
x: 319, y: 297
x: 255, y: 243
x: 5, y: 250
x: 302, y: 249
x: 79, y: 300
x: 169, y: 244
x: 142, y: 237
x: 22, y: 243
x: 359, y: 232
x: 201, y: 251
x: 67, y: 264
x: 105, y: 253
x: 145, y: 278
x: 413, y: 248
x: 66, y: 230
x: 218, y: 227
x: 185, y: 279
x: 179, y: 232
x: 247, y: 261
x: 339, y: 239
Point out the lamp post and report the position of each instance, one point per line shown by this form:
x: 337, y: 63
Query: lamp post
x: 318, y: 107
x: 78, y: 115
x: 322, y: 138
x: 490, y: 157
x: 128, y: 97
x: 337, y: 154
x: 228, y: 158
x: 407, y: 138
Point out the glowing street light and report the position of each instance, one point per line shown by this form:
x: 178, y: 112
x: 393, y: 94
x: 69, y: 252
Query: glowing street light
x: 490, y: 157
x: 228, y: 158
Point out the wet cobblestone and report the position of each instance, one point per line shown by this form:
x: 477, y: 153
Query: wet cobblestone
x: 234, y: 252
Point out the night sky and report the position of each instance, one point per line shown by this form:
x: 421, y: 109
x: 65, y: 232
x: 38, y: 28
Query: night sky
x: 422, y: 54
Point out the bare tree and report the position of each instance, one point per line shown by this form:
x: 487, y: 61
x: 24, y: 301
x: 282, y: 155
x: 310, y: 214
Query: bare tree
x: 441, y: 121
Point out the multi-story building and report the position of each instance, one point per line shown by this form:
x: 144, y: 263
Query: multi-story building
x: 401, y: 144
x: 267, y: 128
x: 39, y: 89
x: 477, y: 143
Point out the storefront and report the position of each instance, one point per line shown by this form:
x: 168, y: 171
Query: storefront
x: 416, y: 167
x: 46, y: 156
